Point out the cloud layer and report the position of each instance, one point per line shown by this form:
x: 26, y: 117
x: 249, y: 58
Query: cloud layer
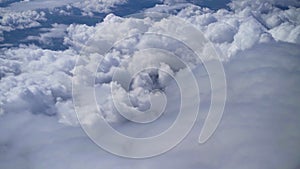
x: 259, y: 47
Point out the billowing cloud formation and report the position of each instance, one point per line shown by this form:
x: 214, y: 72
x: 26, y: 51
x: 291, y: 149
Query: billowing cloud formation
x: 20, y: 20
x: 57, y: 31
x: 261, y: 22
x: 87, y: 5
x: 41, y: 75
x: 29, y: 14
x: 98, y: 6
x: 260, y: 46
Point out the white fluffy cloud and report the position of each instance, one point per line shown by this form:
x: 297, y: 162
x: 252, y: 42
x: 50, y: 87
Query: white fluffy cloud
x: 287, y: 32
x: 261, y: 114
x: 260, y: 46
x: 57, y: 31
x: 260, y: 5
x: 21, y: 20
x: 247, y: 24
x: 33, y: 79
x: 99, y: 6
x: 29, y: 14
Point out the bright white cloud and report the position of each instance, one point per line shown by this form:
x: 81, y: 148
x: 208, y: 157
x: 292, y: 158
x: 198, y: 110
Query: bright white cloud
x: 39, y: 128
x: 57, y: 31
x: 37, y: 74
x: 21, y: 20
x: 100, y: 6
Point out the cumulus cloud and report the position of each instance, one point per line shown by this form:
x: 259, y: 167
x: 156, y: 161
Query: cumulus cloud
x: 259, y: 43
x: 99, y: 6
x: 262, y: 4
x: 57, y: 31
x: 21, y: 20
x: 40, y: 75
x: 246, y: 24
x: 287, y: 32
x: 257, y: 117
x: 97, y: 38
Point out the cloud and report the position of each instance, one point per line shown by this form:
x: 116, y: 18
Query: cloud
x: 287, y: 32
x: 57, y: 31
x: 247, y: 24
x: 260, y: 127
x: 39, y: 4
x: 37, y: 74
x: 21, y: 20
x: 260, y: 5
x: 261, y: 114
x: 100, y: 6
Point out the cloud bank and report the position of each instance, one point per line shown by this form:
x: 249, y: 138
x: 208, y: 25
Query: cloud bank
x: 259, y: 46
